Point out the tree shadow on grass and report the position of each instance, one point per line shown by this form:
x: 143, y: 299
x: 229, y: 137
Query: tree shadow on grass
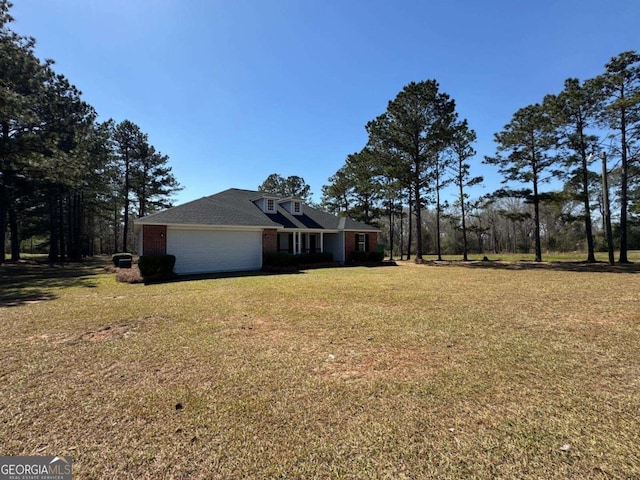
x: 27, y: 282
x: 579, y: 267
x: 260, y: 273
x: 386, y: 263
x: 215, y: 276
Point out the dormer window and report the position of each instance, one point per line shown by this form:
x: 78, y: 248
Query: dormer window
x: 291, y: 205
x: 271, y: 205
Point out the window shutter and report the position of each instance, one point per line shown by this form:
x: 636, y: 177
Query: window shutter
x: 366, y: 242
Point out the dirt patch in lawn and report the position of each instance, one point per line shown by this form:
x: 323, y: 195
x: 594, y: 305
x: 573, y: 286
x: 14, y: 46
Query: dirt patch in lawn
x: 103, y: 334
x: 108, y: 333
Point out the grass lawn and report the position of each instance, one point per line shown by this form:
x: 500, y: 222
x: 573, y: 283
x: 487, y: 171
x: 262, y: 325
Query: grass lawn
x: 478, y: 370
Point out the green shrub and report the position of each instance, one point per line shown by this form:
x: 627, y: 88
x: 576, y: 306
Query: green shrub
x: 288, y: 259
x: 376, y: 256
x: 365, y: 257
x: 311, y: 258
x: 121, y: 256
x: 276, y: 259
x: 150, y: 265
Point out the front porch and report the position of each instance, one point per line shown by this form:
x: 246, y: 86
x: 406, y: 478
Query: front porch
x: 296, y: 243
x: 340, y: 244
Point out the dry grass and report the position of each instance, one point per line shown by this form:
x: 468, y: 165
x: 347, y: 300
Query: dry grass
x: 435, y: 371
x: 129, y: 275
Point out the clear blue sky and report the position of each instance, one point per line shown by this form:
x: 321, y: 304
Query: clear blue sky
x: 233, y: 90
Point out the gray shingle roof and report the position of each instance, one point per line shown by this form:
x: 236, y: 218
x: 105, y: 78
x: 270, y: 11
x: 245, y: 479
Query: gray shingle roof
x: 234, y: 207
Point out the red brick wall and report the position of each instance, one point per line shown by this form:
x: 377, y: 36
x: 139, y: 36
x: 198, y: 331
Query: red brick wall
x: 373, y: 241
x: 154, y: 239
x: 350, y: 243
x: 269, y: 240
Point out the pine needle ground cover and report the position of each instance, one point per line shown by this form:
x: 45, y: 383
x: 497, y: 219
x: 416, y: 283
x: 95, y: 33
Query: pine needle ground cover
x: 415, y: 371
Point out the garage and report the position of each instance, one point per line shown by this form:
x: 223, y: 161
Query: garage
x: 205, y: 250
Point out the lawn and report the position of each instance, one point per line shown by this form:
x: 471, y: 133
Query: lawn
x: 449, y: 370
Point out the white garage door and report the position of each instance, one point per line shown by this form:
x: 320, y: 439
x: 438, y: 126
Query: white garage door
x: 202, y: 251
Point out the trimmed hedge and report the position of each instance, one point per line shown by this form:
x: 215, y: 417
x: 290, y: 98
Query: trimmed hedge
x: 150, y: 265
x: 367, y: 256
x: 288, y: 259
x: 121, y: 256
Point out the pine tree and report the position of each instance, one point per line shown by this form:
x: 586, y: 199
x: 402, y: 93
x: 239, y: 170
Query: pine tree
x: 621, y: 86
x: 462, y: 150
x: 415, y: 129
x: 527, y: 142
x: 573, y: 112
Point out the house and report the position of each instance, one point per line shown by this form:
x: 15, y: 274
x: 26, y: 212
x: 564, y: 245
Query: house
x: 231, y: 230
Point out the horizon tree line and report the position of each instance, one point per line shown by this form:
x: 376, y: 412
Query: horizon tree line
x: 419, y: 146
x: 67, y: 181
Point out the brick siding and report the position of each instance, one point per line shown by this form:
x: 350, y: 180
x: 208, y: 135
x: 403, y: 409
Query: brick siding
x: 349, y: 245
x: 154, y: 239
x: 373, y: 241
x: 269, y: 240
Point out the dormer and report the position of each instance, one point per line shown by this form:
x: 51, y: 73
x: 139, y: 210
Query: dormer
x: 292, y: 205
x: 267, y: 203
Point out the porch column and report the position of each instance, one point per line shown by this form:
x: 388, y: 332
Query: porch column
x: 321, y: 242
x: 298, y: 239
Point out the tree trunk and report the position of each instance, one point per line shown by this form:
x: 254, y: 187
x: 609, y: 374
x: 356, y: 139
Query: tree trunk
x: 536, y: 214
x: 438, y: 246
x: 606, y: 215
x: 624, y: 196
x: 391, y: 230
x: 127, y: 188
x: 116, y: 225
x: 536, y: 203
x: 464, y: 225
x: 3, y: 225
x: 416, y: 194
x: 4, y: 196
x: 402, y: 232
x: 15, y: 237
x: 71, y: 240
x: 409, y: 226
x: 61, y: 237
x: 74, y: 227
x: 591, y: 257
x: 53, y: 228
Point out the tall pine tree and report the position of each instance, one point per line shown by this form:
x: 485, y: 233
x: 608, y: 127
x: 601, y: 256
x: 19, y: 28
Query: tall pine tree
x: 524, y: 155
x: 415, y: 129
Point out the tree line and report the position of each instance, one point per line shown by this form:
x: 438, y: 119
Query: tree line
x: 68, y: 183
x: 585, y: 136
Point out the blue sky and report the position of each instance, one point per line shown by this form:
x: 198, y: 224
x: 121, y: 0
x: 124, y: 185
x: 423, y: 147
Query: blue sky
x: 235, y: 90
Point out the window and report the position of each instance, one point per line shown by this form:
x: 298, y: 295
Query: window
x: 271, y: 205
x: 361, y: 242
x: 296, y: 207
